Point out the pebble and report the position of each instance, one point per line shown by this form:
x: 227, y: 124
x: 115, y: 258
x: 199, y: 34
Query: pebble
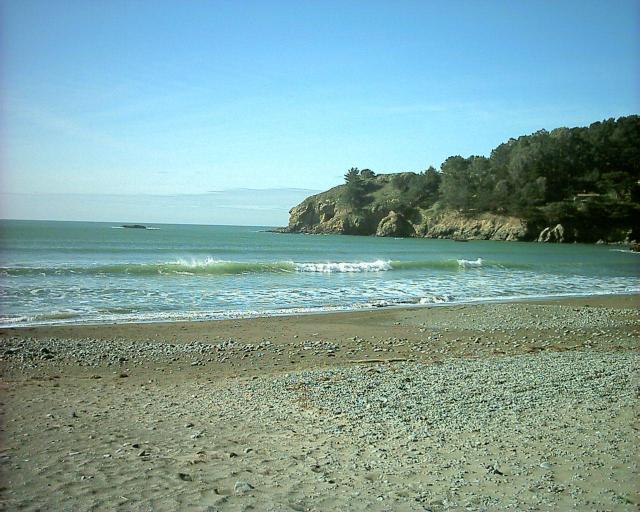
x: 489, y: 400
x: 29, y: 352
x: 242, y: 487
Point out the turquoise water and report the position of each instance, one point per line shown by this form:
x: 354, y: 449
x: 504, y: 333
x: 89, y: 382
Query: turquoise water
x: 72, y: 272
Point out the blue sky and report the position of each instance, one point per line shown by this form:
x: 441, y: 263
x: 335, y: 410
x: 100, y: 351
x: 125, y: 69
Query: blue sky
x: 104, y: 99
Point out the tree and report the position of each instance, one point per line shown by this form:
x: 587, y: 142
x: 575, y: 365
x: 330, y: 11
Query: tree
x: 352, y: 175
x: 456, y: 188
x: 430, y: 190
x: 355, y: 189
x: 367, y: 174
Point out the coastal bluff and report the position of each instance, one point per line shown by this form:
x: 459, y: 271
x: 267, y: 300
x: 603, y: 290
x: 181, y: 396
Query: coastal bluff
x: 324, y: 213
x: 566, y: 185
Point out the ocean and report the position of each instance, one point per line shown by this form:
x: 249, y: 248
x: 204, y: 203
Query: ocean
x: 85, y: 272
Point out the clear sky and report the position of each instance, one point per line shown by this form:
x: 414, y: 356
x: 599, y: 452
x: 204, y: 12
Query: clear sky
x: 102, y: 99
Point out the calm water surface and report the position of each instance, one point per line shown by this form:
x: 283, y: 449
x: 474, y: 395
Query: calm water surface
x: 71, y: 272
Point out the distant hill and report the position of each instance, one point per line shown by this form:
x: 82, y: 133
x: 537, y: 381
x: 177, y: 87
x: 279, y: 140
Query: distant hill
x: 567, y: 185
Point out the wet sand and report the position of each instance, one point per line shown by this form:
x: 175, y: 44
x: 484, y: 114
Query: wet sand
x: 526, y: 405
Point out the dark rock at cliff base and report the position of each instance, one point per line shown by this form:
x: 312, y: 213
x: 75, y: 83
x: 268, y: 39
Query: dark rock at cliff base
x: 395, y: 224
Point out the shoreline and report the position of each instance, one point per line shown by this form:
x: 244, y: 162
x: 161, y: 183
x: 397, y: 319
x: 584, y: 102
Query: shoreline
x: 320, y: 312
x: 285, y: 231
x: 274, y: 344
x: 514, y: 405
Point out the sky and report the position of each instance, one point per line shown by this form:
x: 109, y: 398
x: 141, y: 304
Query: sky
x: 231, y: 112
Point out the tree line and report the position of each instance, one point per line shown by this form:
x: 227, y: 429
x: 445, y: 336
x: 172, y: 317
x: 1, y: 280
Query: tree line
x: 571, y: 175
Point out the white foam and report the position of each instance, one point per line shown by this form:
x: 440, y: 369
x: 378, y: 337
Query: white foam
x: 470, y: 263
x: 359, y: 266
x: 436, y: 299
x: 195, y: 262
x: 625, y: 250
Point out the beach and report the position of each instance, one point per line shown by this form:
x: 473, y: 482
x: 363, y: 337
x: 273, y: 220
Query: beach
x: 491, y: 406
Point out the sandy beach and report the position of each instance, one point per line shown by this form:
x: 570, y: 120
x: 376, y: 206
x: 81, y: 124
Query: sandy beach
x: 497, y: 406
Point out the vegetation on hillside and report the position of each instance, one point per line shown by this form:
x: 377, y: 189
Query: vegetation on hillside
x: 587, y: 178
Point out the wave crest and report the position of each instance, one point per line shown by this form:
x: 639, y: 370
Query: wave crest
x: 359, y: 266
x: 470, y: 263
x: 211, y: 266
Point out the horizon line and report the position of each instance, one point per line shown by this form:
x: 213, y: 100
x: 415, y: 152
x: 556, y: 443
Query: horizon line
x: 120, y: 223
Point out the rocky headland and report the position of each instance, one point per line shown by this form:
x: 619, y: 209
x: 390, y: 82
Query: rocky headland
x: 326, y: 213
x: 567, y: 185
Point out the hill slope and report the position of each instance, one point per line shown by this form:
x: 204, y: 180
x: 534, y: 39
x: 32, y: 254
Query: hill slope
x: 567, y: 185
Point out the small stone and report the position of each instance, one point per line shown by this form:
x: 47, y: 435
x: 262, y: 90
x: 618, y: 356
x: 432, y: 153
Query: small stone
x: 494, y: 470
x: 185, y: 477
x: 242, y: 487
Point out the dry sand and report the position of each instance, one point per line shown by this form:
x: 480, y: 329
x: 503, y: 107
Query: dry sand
x: 522, y: 406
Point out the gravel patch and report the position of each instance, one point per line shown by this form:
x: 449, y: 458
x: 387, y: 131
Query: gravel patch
x: 528, y: 432
x: 520, y: 316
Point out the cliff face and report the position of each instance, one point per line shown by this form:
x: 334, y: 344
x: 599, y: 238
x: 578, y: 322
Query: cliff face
x: 381, y: 210
x: 484, y: 226
x: 325, y: 213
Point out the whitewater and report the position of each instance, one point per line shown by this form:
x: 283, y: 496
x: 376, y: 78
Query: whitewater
x: 74, y: 272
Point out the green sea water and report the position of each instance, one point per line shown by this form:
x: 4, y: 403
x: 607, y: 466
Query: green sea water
x: 74, y: 272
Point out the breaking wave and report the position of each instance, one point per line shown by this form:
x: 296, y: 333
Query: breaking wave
x: 210, y: 266
x: 470, y: 263
x: 359, y: 266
